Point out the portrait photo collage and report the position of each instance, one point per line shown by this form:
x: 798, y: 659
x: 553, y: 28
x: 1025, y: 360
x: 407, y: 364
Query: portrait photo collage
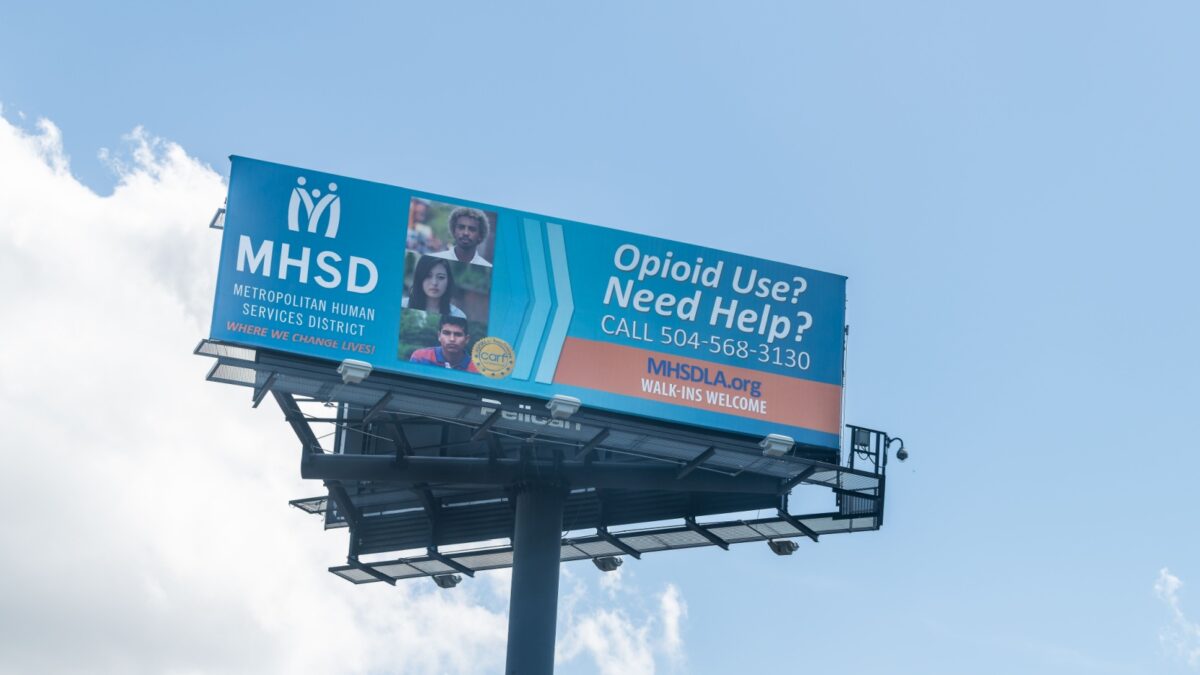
x: 447, y: 283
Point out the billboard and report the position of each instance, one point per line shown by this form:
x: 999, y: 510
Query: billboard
x: 453, y: 290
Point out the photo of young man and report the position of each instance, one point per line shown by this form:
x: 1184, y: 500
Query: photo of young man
x: 452, y: 350
x: 469, y: 228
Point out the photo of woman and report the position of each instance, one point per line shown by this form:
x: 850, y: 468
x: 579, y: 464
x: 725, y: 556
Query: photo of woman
x: 432, y: 288
x: 437, y: 290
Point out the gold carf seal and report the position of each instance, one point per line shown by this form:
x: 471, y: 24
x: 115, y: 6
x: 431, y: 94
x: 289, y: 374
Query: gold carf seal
x: 493, y: 357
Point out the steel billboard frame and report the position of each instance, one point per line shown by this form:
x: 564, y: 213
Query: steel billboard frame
x: 414, y: 459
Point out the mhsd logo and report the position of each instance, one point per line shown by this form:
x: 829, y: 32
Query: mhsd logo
x: 314, y: 210
x: 358, y: 274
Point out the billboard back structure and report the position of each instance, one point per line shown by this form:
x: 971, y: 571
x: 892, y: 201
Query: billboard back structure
x: 460, y: 292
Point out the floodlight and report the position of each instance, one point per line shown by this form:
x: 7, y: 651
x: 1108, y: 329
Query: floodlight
x: 354, y: 371
x: 782, y: 546
x: 446, y: 580
x: 776, y: 445
x: 607, y: 563
x: 561, y: 407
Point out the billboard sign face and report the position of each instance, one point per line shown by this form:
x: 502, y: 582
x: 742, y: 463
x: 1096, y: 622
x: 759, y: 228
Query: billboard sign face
x: 453, y: 290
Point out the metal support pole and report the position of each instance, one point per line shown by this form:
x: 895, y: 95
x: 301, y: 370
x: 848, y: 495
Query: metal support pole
x: 533, y: 605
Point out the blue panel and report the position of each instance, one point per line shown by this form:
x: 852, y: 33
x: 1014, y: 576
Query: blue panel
x: 531, y: 338
x: 565, y: 305
x: 317, y: 264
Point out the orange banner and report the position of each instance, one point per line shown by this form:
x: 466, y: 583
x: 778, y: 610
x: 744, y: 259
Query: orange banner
x: 704, y: 385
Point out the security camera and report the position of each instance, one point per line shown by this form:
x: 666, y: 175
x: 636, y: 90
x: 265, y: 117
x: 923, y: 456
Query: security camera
x: 354, y: 371
x: 561, y: 407
x: 902, y: 454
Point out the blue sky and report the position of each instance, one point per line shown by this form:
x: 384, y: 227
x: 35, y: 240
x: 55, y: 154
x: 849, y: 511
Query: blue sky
x: 1009, y: 188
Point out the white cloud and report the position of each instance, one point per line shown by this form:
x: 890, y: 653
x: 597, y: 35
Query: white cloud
x: 612, y: 582
x: 612, y: 627
x: 148, y: 529
x: 618, y: 645
x: 1183, y: 635
x: 673, y: 611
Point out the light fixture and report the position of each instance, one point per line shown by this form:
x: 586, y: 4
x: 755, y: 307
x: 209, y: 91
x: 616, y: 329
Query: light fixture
x: 446, y: 580
x: 561, y: 407
x: 782, y: 546
x: 354, y: 371
x: 776, y: 445
x: 607, y: 563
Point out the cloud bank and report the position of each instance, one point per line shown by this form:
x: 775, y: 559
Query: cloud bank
x: 148, y: 529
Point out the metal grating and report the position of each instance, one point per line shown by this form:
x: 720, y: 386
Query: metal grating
x: 354, y: 575
x: 735, y: 533
x: 858, y: 482
x: 487, y: 561
x: 310, y: 504
x: 226, y: 351
x: 597, y: 548
x: 581, y: 548
x: 851, y: 505
x: 776, y: 529
x: 227, y: 374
